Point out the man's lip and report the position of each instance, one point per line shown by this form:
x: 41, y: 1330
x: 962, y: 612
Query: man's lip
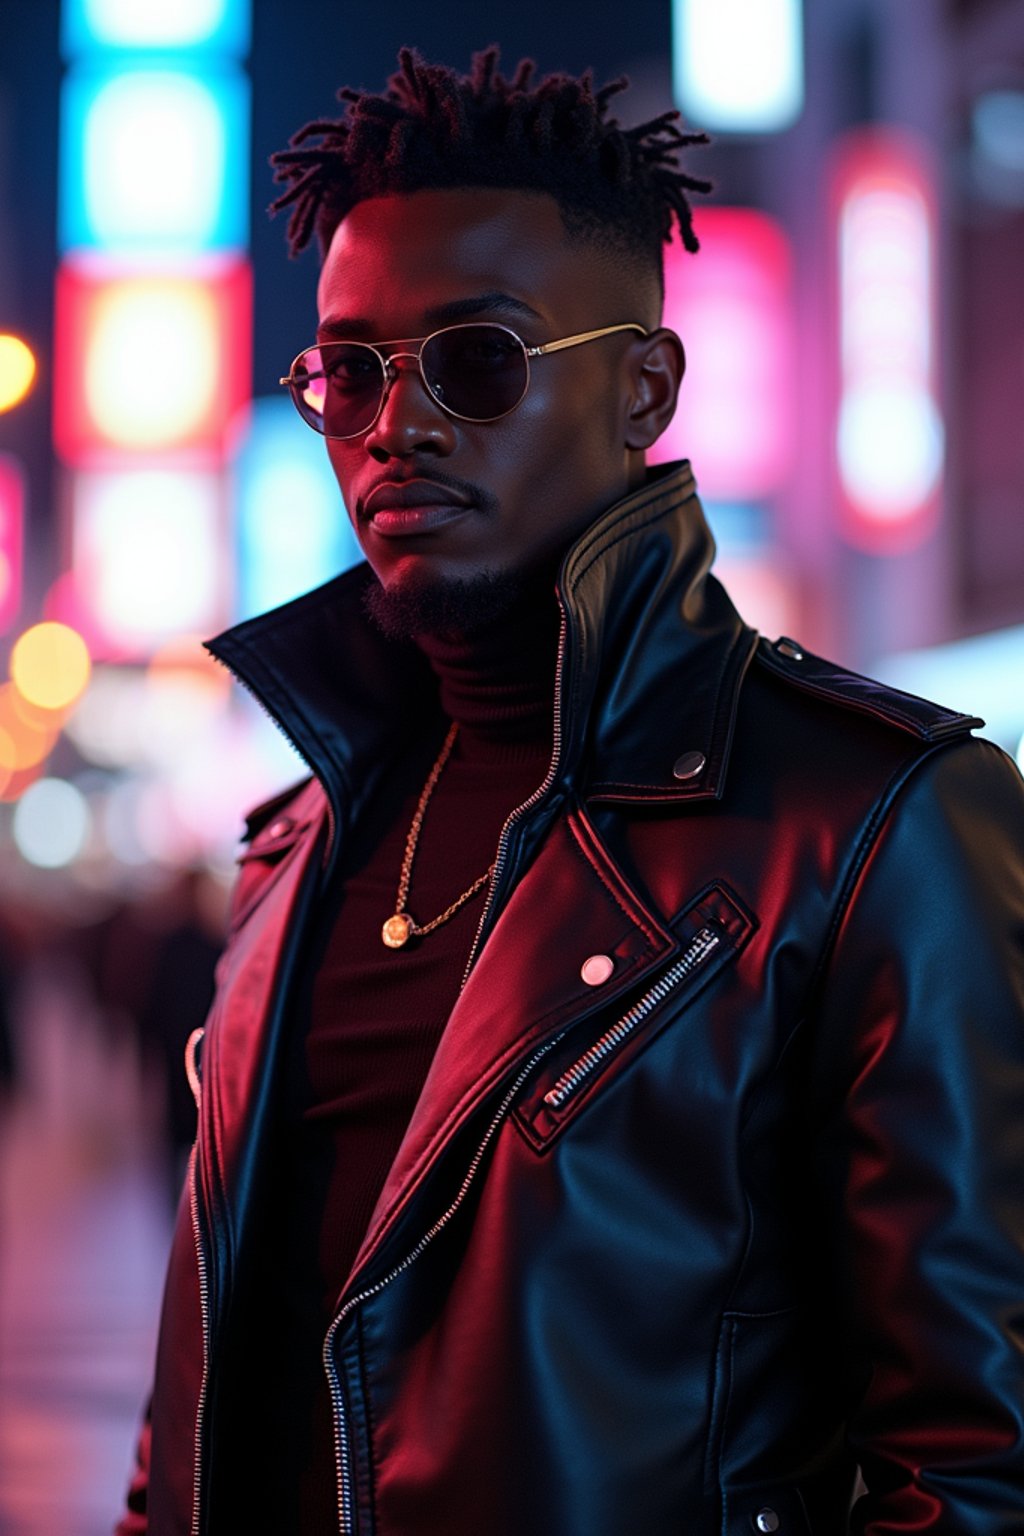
x: 403, y: 522
x: 396, y: 496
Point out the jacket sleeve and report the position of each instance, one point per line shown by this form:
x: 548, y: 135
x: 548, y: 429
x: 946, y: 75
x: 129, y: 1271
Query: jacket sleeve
x: 919, y: 1107
x: 135, y: 1519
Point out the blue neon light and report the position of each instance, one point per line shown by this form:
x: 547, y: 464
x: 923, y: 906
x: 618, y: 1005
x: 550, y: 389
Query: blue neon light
x: 216, y: 26
x: 154, y: 159
x: 292, y: 529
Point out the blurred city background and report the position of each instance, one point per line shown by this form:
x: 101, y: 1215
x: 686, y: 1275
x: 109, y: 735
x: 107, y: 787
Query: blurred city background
x: 854, y: 410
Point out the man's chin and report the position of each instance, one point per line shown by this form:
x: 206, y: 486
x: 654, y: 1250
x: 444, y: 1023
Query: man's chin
x: 454, y: 608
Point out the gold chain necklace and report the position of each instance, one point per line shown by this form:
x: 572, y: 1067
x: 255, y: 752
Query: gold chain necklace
x: 400, y: 927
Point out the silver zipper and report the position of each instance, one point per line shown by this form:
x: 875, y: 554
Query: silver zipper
x: 204, y: 1307
x: 344, y: 1474
x: 699, y: 948
x: 501, y: 855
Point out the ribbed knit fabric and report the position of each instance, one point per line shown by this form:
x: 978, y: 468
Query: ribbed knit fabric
x: 367, y: 1025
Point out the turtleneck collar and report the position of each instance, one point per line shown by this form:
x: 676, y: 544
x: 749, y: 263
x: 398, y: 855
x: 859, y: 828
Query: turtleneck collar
x: 499, y: 682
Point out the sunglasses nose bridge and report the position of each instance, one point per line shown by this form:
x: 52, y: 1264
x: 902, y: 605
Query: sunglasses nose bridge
x: 391, y: 373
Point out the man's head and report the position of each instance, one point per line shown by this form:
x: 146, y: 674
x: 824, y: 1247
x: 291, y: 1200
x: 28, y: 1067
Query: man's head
x: 449, y: 200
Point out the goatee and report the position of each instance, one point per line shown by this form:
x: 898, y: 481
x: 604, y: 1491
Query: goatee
x: 450, y: 609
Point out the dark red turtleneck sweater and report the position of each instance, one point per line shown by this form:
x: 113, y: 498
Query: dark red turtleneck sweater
x: 365, y: 1028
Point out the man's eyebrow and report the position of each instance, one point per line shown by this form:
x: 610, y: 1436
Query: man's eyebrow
x: 352, y: 329
x: 465, y: 309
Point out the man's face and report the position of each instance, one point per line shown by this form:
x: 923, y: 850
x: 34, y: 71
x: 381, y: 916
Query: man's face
x: 502, y: 499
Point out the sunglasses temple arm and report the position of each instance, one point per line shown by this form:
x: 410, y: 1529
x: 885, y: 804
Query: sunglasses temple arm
x: 575, y: 341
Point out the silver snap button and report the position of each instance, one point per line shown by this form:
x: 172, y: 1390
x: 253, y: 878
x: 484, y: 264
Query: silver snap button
x: 597, y: 969
x: 767, y: 1520
x: 792, y: 652
x: 280, y: 827
x: 689, y: 765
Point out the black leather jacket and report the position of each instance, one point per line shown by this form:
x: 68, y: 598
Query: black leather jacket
x: 681, y: 1250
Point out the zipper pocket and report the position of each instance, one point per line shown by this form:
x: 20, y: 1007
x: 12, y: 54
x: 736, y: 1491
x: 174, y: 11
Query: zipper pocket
x: 713, y: 929
x: 699, y: 950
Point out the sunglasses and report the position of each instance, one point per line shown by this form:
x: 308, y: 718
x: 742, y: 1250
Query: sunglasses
x: 475, y: 372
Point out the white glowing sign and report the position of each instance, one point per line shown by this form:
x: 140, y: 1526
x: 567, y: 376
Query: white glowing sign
x: 149, y: 554
x: 889, y: 440
x: 739, y: 64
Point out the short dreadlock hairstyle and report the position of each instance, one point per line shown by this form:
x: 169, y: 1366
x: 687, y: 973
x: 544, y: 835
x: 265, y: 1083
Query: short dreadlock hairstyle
x: 620, y: 188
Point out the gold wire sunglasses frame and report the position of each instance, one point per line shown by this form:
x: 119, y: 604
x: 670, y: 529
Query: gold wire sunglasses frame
x: 298, y: 382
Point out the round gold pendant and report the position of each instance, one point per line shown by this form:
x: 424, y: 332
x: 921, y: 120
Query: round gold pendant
x: 397, y: 930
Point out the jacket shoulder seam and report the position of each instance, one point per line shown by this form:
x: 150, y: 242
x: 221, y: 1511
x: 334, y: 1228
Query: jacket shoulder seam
x: 810, y: 674
x: 880, y: 813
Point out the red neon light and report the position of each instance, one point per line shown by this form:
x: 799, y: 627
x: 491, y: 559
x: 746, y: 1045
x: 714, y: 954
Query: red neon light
x: 732, y: 306
x: 150, y: 362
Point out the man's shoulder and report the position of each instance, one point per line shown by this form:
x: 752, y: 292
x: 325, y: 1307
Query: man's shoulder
x: 818, y: 680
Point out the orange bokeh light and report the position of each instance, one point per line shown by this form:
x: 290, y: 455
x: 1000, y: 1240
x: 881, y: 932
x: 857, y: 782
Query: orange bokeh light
x: 27, y: 736
x: 15, y: 781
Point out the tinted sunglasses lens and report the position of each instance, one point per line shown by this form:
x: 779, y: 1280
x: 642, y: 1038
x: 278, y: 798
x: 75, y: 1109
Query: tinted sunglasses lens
x: 477, y: 371
x: 337, y: 387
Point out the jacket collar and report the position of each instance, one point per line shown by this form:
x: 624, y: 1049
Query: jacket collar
x: 651, y: 657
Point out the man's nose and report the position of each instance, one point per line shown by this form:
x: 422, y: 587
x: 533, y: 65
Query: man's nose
x: 410, y: 418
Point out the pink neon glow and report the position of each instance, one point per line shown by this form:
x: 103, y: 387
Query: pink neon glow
x: 731, y: 304
x: 12, y: 518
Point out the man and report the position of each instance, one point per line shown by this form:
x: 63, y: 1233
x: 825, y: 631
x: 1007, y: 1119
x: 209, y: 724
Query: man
x: 612, y: 1109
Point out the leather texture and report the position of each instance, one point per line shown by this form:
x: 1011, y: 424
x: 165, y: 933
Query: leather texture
x: 683, y: 1250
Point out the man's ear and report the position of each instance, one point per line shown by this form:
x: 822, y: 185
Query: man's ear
x: 659, y: 363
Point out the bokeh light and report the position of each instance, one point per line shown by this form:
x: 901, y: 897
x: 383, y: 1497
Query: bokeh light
x: 153, y: 160
x: 152, y: 369
x: 890, y: 439
x: 734, y: 310
x: 50, y: 666
x: 12, y: 531
x: 149, y: 361
x: 17, y: 370
x: 738, y: 64
x: 51, y: 823
x: 94, y: 24
x: 27, y: 735
x: 14, y: 782
x: 148, y: 553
